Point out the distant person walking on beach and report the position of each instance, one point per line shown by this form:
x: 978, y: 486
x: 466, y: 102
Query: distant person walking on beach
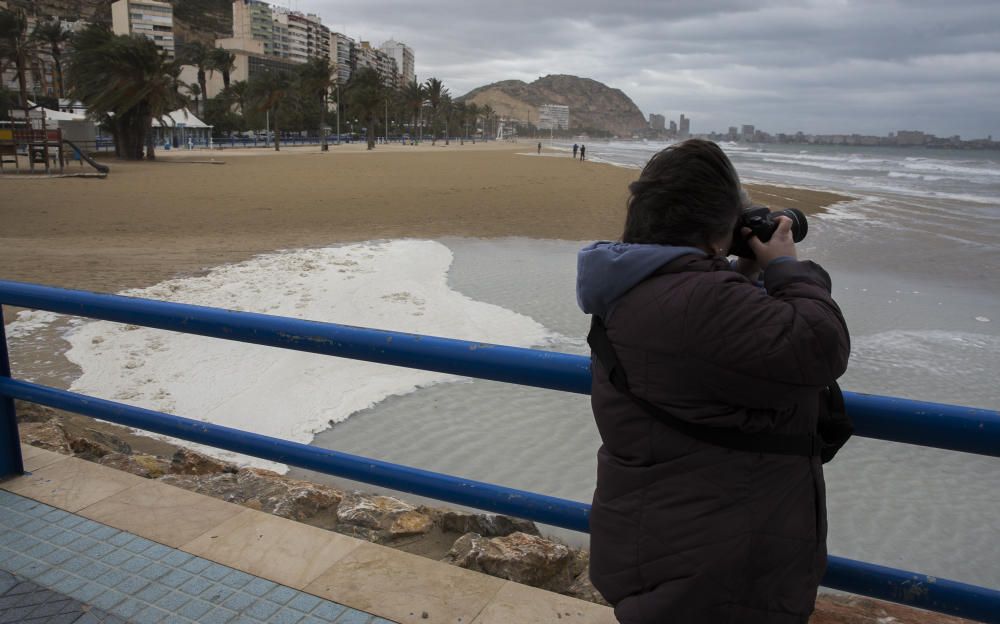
x: 576, y: 148
x: 539, y: 147
x: 583, y: 152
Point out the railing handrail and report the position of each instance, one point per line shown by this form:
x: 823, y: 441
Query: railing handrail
x: 938, y: 425
x: 557, y: 370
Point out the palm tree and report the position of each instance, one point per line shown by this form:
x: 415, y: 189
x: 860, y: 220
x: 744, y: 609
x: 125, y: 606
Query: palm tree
x: 366, y: 93
x: 16, y: 47
x: 413, y: 98
x: 195, y: 91
x: 222, y: 61
x: 127, y: 82
x: 317, y: 79
x: 435, y: 96
x: 197, y: 54
x: 447, y: 107
x: 268, y: 91
x: 52, y: 35
x: 488, y: 113
x: 471, y: 114
x: 238, y: 94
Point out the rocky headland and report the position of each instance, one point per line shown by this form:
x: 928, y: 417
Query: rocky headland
x: 501, y: 546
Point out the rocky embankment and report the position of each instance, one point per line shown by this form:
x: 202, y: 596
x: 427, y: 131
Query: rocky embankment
x: 505, y: 547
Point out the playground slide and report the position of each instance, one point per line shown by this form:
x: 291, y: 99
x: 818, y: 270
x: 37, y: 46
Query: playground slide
x: 86, y: 158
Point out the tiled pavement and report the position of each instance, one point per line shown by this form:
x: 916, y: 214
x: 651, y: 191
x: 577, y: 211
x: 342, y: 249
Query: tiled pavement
x: 119, y: 573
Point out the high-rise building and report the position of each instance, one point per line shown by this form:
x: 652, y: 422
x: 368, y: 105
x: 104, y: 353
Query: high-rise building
x: 734, y: 133
x: 367, y: 56
x: 285, y: 34
x: 747, y: 133
x: 673, y: 128
x: 684, y: 131
x: 657, y: 122
x: 403, y: 54
x: 341, y: 55
x: 151, y: 19
x: 553, y: 117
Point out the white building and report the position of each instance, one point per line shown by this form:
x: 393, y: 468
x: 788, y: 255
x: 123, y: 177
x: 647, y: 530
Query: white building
x: 403, y: 54
x: 151, y: 19
x: 341, y: 55
x: 284, y: 34
x: 553, y: 117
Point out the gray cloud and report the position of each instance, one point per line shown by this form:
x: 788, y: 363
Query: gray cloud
x: 818, y: 66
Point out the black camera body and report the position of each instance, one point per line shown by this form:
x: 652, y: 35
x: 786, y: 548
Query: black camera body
x: 763, y: 223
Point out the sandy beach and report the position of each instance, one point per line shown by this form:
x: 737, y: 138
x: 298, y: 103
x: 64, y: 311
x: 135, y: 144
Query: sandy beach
x: 152, y: 221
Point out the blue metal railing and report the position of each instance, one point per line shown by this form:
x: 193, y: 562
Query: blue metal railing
x: 929, y: 424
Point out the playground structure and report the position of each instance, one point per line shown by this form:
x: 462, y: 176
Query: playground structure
x: 32, y: 137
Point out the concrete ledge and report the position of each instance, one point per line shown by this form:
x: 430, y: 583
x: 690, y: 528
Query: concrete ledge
x: 377, y: 579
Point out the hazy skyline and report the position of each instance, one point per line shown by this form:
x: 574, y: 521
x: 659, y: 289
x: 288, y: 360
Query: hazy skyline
x: 822, y: 67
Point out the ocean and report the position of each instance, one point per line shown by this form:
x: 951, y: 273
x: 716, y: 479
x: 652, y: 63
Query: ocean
x: 914, y: 264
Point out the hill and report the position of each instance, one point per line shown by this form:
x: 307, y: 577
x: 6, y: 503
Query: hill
x: 592, y: 105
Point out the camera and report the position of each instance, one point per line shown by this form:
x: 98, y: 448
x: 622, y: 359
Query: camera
x: 763, y: 223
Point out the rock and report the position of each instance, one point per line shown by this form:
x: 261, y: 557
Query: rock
x: 519, y: 557
x: 49, y: 435
x: 583, y: 589
x: 380, y: 518
x: 92, y: 444
x: 262, y: 490
x: 187, y: 462
x: 849, y: 609
x: 487, y: 525
x: 33, y: 412
x: 148, y: 466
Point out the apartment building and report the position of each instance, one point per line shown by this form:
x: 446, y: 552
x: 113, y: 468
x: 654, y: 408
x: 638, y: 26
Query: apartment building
x: 151, y: 19
x: 403, y: 55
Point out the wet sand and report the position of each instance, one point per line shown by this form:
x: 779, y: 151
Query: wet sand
x: 150, y: 221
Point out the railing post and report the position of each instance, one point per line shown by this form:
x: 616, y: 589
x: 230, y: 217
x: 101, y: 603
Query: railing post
x: 10, y: 442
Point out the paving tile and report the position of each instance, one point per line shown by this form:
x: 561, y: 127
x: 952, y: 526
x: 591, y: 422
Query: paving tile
x: 217, y: 594
x: 196, y: 586
x: 72, y: 484
x: 196, y: 565
x: 161, y: 512
x: 108, y: 599
x: 89, y: 591
x: 286, y: 616
x: 132, y: 584
x: 173, y: 601
x: 155, y: 571
x: 236, y: 579
x: 304, y: 602
x: 82, y: 543
x: 239, y: 601
x: 262, y: 609
x: 152, y: 592
x: 328, y: 611
x: 16, y: 615
x: 122, y: 538
x: 394, y: 584
x: 117, y: 557
x: 40, y: 459
x: 132, y: 564
x: 150, y: 615
x: 259, y: 587
x: 87, y: 527
x: 217, y: 615
x: 520, y: 603
x: 58, y: 556
x: 52, y: 577
x: 356, y: 617
x: 215, y: 571
x: 195, y: 609
x: 130, y: 607
x: 52, y: 607
x: 39, y: 550
x: 281, y: 550
x: 69, y: 584
x: 177, y: 558
x: 281, y: 595
x: 158, y: 552
x: 139, y: 545
x: 175, y: 578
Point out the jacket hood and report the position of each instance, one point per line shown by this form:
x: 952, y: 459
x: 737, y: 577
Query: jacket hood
x: 605, y: 271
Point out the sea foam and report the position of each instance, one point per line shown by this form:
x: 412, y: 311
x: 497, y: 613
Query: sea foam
x: 399, y: 285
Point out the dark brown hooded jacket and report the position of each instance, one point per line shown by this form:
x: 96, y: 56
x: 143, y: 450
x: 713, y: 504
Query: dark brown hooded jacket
x: 684, y: 531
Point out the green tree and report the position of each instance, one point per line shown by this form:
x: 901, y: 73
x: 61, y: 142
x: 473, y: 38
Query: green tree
x: 198, y: 54
x: 125, y: 82
x: 269, y: 91
x: 488, y: 115
x: 317, y: 78
x: 366, y: 94
x: 413, y: 98
x: 436, y: 96
x: 222, y: 61
x: 17, y: 47
x: 51, y: 35
x: 238, y: 93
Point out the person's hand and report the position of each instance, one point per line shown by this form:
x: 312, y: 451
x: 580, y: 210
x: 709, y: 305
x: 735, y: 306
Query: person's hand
x: 781, y: 243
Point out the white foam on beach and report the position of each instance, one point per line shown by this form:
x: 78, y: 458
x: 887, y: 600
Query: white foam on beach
x: 399, y: 285
x: 30, y: 321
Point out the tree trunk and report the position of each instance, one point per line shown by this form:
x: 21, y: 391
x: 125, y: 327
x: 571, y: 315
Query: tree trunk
x: 150, y: 139
x: 371, y: 130
x: 322, y: 125
x: 225, y: 78
x: 59, y: 74
x: 203, y: 83
x: 22, y: 82
x: 277, y: 132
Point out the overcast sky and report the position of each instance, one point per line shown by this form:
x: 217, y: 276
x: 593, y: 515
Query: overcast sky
x: 823, y: 66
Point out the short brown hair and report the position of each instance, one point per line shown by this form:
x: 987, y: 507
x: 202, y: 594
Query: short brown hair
x: 688, y: 194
